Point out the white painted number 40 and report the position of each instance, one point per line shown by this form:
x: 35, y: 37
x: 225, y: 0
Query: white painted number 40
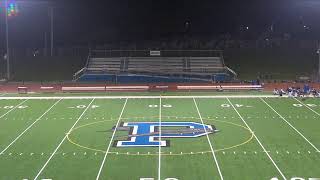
x: 11, y: 107
x: 301, y: 105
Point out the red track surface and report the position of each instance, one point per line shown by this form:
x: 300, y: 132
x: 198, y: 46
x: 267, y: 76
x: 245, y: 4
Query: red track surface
x: 36, y: 87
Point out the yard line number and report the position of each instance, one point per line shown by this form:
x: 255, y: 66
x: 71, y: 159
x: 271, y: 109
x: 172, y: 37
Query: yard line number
x: 153, y: 179
x: 163, y: 105
x: 298, y: 178
x: 11, y: 107
x: 81, y: 106
x: 236, y: 105
x: 301, y: 105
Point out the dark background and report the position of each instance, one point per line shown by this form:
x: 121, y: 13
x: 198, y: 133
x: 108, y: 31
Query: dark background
x: 97, y: 21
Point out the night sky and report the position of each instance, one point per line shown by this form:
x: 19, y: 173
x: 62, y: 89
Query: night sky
x: 79, y: 21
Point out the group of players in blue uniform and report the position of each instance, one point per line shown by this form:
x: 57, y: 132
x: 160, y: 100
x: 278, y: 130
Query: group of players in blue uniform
x: 306, y: 91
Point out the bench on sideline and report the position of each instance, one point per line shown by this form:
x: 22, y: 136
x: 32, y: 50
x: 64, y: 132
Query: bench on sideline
x: 104, y: 88
x: 222, y: 87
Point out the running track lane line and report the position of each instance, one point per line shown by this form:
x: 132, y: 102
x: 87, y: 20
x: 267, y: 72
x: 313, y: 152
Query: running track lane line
x: 290, y: 125
x: 111, y: 140
x: 54, y: 152
x: 39, y: 118
x: 159, y: 161
x: 212, y: 151
x: 307, y: 106
x: 13, y: 108
x: 264, y: 149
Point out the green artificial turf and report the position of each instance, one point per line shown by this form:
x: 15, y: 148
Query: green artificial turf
x: 67, y: 139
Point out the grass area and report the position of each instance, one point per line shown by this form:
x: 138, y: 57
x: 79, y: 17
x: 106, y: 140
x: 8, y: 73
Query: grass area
x: 258, y: 138
x: 280, y: 63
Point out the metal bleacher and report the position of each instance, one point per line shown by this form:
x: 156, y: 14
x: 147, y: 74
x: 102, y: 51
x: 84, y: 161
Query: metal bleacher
x: 100, y: 65
x: 156, y: 64
x: 206, y: 64
x: 169, y: 66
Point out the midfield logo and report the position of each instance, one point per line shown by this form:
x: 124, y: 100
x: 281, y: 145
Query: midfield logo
x: 147, y: 134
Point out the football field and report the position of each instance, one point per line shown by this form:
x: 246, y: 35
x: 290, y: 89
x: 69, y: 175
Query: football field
x: 159, y: 138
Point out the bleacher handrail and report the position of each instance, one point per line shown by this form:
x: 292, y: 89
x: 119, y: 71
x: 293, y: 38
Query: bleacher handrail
x: 231, y: 71
x: 164, y: 53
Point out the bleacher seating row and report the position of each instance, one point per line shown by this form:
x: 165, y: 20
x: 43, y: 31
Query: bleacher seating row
x: 198, y: 65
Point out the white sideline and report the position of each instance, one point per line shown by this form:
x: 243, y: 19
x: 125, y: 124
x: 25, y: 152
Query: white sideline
x: 205, y: 130
x: 110, y: 142
x: 30, y: 126
x: 13, y: 108
x: 307, y: 106
x: 291, y: 125
x: 264, y: 149
x: 140, y: 97
x: 54, y: 152
x: 159, y: 161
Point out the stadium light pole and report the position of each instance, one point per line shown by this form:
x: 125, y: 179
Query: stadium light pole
x: 7, y: 40
x: 51, y: 27
x: 318, y: 51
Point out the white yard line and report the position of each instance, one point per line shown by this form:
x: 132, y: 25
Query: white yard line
x: 211, y: 147
x: 13, y: 108
x: 30, y: 126
x: 307, y: 106
x: 264, y: 149
x: 54, y: 152
x: 142, y: 97
x: 111, y: 140
x: 290, y: 125
x: 159, y: 161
